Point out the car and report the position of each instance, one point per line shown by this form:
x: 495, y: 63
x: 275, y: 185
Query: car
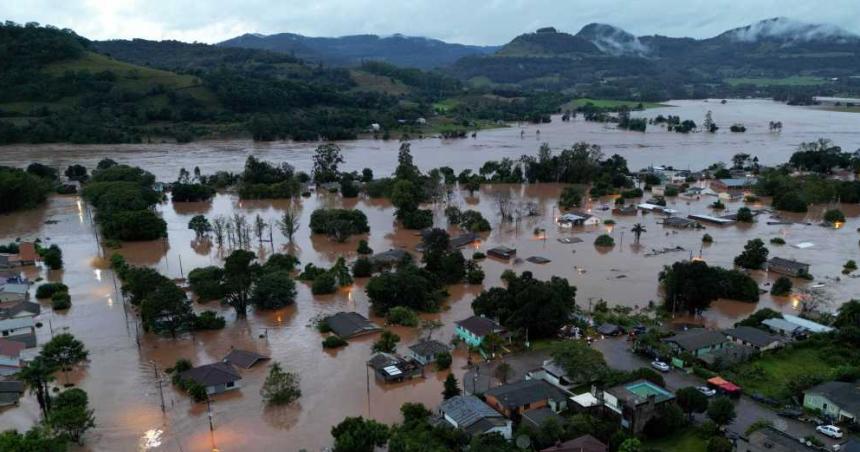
x: 789, y: 411
x: 660, y: 365
x: 829, y: 430
x: 708, y: 392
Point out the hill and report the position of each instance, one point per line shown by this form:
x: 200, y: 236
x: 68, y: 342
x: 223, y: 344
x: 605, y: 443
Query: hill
x: 605, y: 61
x: 399, y: 50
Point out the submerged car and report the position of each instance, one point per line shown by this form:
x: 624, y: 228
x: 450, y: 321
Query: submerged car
x: 660, y: 365
x: 829, y: 430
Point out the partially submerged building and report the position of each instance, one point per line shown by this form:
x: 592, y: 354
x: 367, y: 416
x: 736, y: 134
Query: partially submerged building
x: 350, y: 324
x: 426, y: 350
x: 244, y: 358
x: 473, y: 330
x: 475, y: 417
x: 577, y: 218
x: 389, y: 367
x: 502, y: 252
x: 216, y: 377
x: 788, y: 267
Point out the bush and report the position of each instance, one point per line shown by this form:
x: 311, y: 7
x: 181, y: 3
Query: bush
x: 208, y: 320
x: 609, y: 222
x: 604, y: 240
x: 47, y: 290
x: 745, y: 215
x: 401, y: 315
x: 571, y: 197
x: 362, y: 268
x: 363, y: 248
x: 334, y: 342
x: 349, y: 189
x: 61, y: 300
x: 718, y: 205
x: 340, y: 223
x: 52, y: 257
x: 781, y: 287
x: 205, y: 282
x: 671, y: 191
x: 473, y: 221
x: 325, y: 283
x: 478, y: 256
x: 707, y: 238
x: 777, y: 241
x: 834, y: 216
x: 790, y: 202
x: 443, y: 360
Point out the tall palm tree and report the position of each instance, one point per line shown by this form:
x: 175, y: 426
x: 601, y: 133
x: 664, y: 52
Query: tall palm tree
x: 36, y: 375
x: 638, y: 229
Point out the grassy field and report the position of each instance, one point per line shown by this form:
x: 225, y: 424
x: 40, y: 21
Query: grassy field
x: 608, y: 103
x: 795, y: 80
x: 772, y: 373
x: 687, y: 440
x: 378, y: 83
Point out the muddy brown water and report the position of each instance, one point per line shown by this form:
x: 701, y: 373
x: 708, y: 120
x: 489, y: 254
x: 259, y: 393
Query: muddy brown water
x: 120, y: 377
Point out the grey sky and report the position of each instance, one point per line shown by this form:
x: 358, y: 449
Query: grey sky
x: 465, y: 21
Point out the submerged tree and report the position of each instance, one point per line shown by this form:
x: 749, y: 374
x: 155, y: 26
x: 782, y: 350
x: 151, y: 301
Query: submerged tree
x: 289, y: 223
x: 239, y: 273
x: 280, y: 387
x: 638, y: 230
x: 200, y: 225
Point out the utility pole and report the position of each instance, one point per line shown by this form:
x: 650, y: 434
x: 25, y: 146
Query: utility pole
x: 181, y: 272
x: 160, y: 388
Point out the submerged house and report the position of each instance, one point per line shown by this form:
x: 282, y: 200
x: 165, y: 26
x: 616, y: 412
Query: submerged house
x: 577, y: 218
x: 636, y: 403
x: 388, y: 258
x: 680, y: 223
x: 475, y: 417
x: 10, y: 392
x: 787, y: 267
x: 426, y: 350
x: 350, y: 324
x: 389, y: 367
x: 14, y: 292
x: 733, y: 185
x: 216, y: 377
x: 244, y: 358
x: 502, y: 252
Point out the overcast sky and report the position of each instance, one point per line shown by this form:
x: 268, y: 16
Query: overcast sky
x: 465, y: 21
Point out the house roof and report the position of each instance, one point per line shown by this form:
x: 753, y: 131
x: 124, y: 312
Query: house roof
x: 678, y: 222
x: 13, y: 308
x: 243, y: 358
x: 751, y: 335
x: 845, y: 395
x: 11, y: 348
x: 16, y: 288
x: 212, y: 374
x: 389, y: 257
x: 697, y: 338
x: 609, y: 329
x: 28, y: 338
x: 787, y: 263
x: 462, y: 240
x: 466, y: 410
x: 541, y: 415
x: 738, y: 182
x: 485, y: 424
x: 815, y: 327
x: 480, y: 326
x: 350, y: 324
x: 638, y: 392
x: 27, y: 251
x: 585, y: 443
x: 428, y: 347
x: 381, y: 361
x: 11, y: 386
x: 782, y: 325
x: 524, y: 392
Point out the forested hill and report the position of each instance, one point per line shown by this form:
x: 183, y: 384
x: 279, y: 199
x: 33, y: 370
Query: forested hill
x: 56, y: 86
x: 399, y: 50
x: 765, y: 58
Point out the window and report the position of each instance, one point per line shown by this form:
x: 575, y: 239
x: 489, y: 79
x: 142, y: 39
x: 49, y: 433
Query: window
x: 527, y: 406
x: 231, y: 384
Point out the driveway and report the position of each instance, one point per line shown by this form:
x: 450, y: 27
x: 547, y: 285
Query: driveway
x: 618, y: 355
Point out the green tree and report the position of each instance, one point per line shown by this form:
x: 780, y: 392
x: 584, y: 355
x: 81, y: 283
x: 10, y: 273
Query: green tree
x: 274, y: 290
x: 52, y: 257
x: 77, y: 173
x: 327, y: 157
x: 363, y: 248
x: 781, y: 287
x: 280, y: 387
x: 443, y: 360
x: 720, y: 444
x: 36, y: 375
x: 166, y: 308
x: 691, y: 401
x: 290, y: 222
x: 745, y: 215
x: 571, y: 196
x: 37, y: 439
x: 387, y: 342
x: 64, y: 351
x: 452, y: 388
x: 206, y: 282
x: 721, y: 410
x: 356, y: 434
x: 630, y: 445
x: 604, y: 240
x: 582, y: 363
x: 239, y: 276
x: 71, y: 416
x: 834, y: 216
x: 754, y: 255
x: 200, y: 225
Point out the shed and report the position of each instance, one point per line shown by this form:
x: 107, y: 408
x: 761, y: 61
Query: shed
x: 784, y: 327
x: 243, y: 358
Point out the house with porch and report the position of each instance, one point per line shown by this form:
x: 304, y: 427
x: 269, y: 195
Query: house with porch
x: 473, y: 330
x: 837, y: 400
x: 697, y: 341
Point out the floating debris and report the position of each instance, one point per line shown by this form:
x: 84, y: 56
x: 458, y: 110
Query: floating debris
x: 803, y: 245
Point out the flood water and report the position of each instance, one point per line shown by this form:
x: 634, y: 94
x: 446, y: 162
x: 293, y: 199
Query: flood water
x: 120, y: 376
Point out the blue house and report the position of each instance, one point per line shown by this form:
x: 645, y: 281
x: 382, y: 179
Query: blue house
x: 473, y: 330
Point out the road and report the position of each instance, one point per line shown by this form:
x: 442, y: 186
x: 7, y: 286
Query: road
x: 617, y: 353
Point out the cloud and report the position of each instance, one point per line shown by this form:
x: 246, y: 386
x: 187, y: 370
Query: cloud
x: 471, y: 21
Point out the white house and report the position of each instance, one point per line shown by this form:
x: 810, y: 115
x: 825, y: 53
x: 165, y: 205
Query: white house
x: 551, y: 373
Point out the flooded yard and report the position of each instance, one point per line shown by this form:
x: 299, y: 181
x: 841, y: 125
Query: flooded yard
x: 125, y: 363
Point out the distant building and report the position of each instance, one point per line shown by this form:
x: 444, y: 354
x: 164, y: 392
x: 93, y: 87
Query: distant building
x: 215, y: 377
x: 697, y: 341
x: 473, y: 330
x: 425, y: 350
x: 577, y: 218
x: 753, y: 337
x: 783, y: 327
x: 475, y: 417
x: 10, y: 357
x: 514, y: 399
x: 14, y: 292
x: 837, y: 400
x: 350, y: 324
x: 636, y: 403
x: 585, y: 443
x: 736, y: 185
x: 787, y: 267
x: 680, y: 223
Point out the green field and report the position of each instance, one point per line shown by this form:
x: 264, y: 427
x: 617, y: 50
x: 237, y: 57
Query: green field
x: 795, y: 80
x: 609, y: 103
x: 688, y: 440
x: 774, y: 372
x: 446, y: 105
x: 378, y: 83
